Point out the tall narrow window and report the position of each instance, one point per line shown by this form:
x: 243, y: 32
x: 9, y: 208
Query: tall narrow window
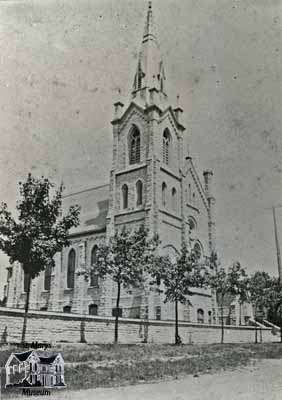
x: 94, y: 279
x: 200, y: 316
x: 174, y: 199
x: 134, y: 146
x: 25, y: 282
x: 71, y: 269
x: 210, y: 317
x: 124, y: 190
x: 166, y: 146
x: 164, y: 190
x: 47, y: 277
x: 158, y: 313
x: 139, y: 193
x: 189, y: 193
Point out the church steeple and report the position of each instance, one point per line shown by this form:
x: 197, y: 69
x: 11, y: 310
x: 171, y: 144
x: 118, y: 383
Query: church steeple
x: 150, y: 73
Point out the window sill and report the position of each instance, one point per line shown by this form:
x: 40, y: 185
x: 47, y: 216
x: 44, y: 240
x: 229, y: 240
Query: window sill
x: 68, y: 290
x: 131, y: 210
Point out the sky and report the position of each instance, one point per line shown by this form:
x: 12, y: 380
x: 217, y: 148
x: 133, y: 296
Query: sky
x: 64, y: 62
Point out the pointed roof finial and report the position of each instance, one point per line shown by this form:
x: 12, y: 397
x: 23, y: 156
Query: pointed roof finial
x: 149, y: 26
x: 177, y: 100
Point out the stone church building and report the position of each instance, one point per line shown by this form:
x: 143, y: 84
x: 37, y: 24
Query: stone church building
x: 152, y: 181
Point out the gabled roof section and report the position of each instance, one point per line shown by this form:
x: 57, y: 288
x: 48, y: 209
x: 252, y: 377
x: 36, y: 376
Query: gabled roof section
x: 23, y: 356
x: 48, y: 360
x: 133, y: 106
x: 189, y: 167
x: 178, y: 126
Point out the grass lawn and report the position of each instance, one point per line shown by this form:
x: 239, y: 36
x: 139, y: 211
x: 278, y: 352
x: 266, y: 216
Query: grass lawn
x: 90, y: 366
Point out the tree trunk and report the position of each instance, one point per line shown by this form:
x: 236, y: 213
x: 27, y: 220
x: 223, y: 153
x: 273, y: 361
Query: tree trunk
x: 280, y: 323
x: 177, y: 337
x: 117, y: 314
x: 82, y: 331
x: 26, y: 309
x: 256, y: 329
x: 240, y: 313
x: 222, y: 324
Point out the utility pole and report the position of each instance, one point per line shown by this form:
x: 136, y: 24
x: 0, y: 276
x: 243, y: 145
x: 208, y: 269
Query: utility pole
x: 278, y: 253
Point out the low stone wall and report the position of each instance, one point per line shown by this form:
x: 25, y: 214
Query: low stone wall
x: 51, y: 327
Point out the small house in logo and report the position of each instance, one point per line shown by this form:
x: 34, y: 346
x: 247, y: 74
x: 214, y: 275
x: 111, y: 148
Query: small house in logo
x: 32, y: 369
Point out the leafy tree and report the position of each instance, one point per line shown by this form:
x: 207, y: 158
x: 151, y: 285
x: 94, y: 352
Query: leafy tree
x: 39, y: 232
x: 123, y: 258
x: 258, y: 292
x: 178, y: 277
x: 239, y: 281
x: 227, y: 283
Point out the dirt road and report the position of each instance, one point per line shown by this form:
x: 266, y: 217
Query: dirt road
x: 262, y: 381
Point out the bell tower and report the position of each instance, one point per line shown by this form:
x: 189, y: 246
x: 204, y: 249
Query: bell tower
x: 147, y: 142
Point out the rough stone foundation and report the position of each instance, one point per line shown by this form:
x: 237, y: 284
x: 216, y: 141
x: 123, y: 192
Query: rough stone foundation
x: 51, y: 327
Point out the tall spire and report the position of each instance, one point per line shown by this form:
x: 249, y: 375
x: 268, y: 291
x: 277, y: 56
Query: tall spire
x: 150, y: 70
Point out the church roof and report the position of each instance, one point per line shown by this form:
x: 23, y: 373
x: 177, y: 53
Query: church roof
x: 94, y: 203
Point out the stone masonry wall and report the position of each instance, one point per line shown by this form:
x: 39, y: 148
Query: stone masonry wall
x: 54, y: 327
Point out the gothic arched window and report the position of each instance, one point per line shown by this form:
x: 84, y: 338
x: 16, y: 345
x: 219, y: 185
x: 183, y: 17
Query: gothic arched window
x: 139, y: 193
x: 174, y: 199
x: 94, y: 278
x: 124, y: 190
x: 71, y: 269
x: 166, y: 146
x: 134, y: 146
x: 200, y: 316
x: 198, y: 251
x: 192, y: 224
x: 164, y: 194
x: 47, y: 277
